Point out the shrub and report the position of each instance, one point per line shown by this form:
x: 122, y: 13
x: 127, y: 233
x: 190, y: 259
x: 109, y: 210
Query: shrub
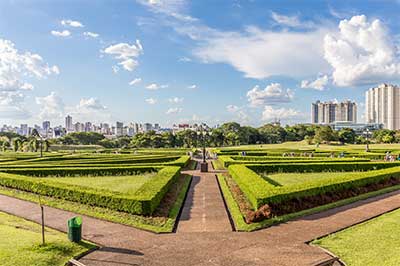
x: 260, y: 192
x: 144, y: 201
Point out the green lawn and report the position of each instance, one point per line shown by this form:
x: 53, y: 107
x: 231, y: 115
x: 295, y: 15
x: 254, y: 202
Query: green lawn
x: 284, y: 179
x: 375, y: 242
x: 21, y: 239
x: 124, y: 184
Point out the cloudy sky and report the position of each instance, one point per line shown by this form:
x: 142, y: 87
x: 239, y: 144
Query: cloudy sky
x: 171, y: 61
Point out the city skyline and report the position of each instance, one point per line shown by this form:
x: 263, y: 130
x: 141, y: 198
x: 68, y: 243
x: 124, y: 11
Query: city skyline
x: 184, y: 62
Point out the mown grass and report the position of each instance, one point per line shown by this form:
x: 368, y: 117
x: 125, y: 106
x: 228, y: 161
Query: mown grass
x: 156, y: 224
x: 285, y: 179
x: 21, y: 244
x: 123, y: 184
x: 375, y: 242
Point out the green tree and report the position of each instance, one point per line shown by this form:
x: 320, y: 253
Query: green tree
x: 347, y: 135
x: 324, y: 134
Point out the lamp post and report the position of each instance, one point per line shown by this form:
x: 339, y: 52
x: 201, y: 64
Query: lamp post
x: 203, y: 134
x: 367, y: 133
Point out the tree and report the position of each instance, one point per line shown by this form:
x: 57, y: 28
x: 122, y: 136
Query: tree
x: 16, y: 142
x: 272, y: 133
x: 347, y: 135
x: 324, y: 134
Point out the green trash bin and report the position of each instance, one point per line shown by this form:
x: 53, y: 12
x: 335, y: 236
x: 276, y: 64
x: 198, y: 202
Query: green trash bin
x: 75, y: 229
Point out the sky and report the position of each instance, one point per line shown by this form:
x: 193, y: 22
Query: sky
x: 181, y: 61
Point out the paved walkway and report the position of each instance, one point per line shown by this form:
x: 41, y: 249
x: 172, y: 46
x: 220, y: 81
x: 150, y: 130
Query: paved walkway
x: 283, y: 244
x: 204, y: 208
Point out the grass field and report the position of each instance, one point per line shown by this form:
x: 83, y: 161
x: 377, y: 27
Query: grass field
x: 375, y: 242
x: 21, y: 244
x: 284, y: 179
x: 122, y: 184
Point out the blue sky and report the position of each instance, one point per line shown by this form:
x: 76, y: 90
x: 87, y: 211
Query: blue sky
x: 250, y: 61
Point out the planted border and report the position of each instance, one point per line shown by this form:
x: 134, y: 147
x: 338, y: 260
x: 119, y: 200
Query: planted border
x: 259, y: 192
x: 144, y: 201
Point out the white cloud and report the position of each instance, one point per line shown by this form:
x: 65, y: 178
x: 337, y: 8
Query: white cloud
x: 91, y: 34
x: 318, y: 84
x: 12, y: 105
x: 155, y: 86
x: 135, y: 81
x: 185, y: 59
x: 127, y: 54
x: 51, y: 106
x: 115, y: 69
x: 174, y: 110
x: 232, y: 108
x: 291, y: 21
x: 89, y: 109
x: 271, y: 94
x: 175, y: 100
x: 71, y: 23
x: 363, y: 52
x: 64, y: 33
x: 261, y: 54
x: 151, y: 101
x: 91, y: 103
x: 15, y: 69
x: 194, y: 86
x: 270, y: 113
x: 172, y: 8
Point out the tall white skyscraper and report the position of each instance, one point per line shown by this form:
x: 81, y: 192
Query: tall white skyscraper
x: 382, y: 106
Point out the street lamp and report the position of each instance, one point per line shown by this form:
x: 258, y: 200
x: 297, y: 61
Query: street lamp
x: 367, y: 133
x: 203, y: 134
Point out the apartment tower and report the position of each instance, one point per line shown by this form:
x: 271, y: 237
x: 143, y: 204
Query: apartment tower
x: 382, y: 106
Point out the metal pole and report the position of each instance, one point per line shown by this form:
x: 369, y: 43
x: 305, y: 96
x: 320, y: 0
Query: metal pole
x: 42, y: 210
x: 204, y: 148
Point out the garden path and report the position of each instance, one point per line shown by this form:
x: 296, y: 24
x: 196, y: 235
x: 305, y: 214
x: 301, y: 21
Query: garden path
x: 283, y: 244
x: 204, y: 209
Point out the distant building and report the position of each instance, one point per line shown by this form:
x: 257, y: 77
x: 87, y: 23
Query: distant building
x: 46, y: 129
x: 358, y: 128
x: 24, y: 130
x: 330, y: 112
x: 68, y: 123
x: 382, y: 106
x: 147, y: 127
x: 119, y: 129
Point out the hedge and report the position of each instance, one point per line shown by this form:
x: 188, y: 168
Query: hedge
x: 229, y: 160
x: 260, y: 192
x: 181, y: 161
x: 144, y: 201
x: 321, y: 166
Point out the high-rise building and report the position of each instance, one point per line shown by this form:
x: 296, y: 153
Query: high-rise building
x: 147, y: 127
x: 382, y: 106
x: 46, y: 125
x: 24, y: 130
x: 119, y: 129
x: 88, y: 127
x: 330, y: 112
x: 46, y: 128
x: 68, y: 123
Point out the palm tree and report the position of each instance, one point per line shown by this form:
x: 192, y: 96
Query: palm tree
x: 35, y: 133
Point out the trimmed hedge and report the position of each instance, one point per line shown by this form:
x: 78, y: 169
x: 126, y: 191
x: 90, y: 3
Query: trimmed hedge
x: 181, y: 161
x: 229, y: 160
x: 144, y: 201
x: 260, y: 192
x: 321, y: 167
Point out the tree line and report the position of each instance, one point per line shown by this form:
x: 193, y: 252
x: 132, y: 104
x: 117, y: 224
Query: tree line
x: 228, y: 134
